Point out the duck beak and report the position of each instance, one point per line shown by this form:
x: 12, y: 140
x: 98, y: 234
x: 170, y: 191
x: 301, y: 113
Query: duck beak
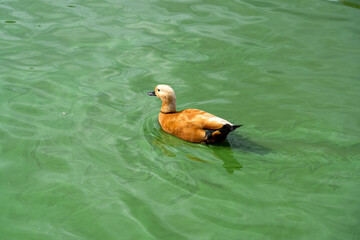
x: 152, y: 93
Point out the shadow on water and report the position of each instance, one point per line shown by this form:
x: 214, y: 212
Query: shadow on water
x: 350, y: 4
x: 225, y: 150
x: 244, y: 144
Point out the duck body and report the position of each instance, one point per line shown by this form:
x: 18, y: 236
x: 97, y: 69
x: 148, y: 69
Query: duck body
x: 192, y: 125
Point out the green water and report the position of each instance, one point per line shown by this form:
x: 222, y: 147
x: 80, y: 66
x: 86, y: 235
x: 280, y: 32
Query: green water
x: 83, y: 157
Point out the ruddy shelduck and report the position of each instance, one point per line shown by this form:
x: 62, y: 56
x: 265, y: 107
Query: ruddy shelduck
x: 192, y: 125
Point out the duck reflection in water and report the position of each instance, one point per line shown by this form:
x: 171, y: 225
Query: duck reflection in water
x: 236, y: 142
x: 225, y: 151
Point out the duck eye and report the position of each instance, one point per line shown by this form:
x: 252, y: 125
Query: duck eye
x: 158, y: 90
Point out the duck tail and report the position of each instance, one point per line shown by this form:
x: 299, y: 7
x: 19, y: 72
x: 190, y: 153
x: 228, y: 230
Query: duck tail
x: 229, y: 128
x: 218, y: 135
x: 233, y: 127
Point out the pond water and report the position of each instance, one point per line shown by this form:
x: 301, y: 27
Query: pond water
x: 82, y: 155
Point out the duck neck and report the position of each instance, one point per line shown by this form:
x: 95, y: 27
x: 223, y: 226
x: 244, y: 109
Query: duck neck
x: 168, y: 106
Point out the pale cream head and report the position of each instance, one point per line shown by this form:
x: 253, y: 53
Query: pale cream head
x: 167, y: 96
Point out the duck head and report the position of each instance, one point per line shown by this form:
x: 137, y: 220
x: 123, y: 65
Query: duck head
x: 167, y: 96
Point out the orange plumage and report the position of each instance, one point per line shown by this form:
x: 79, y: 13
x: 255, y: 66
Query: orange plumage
x: 192, y: 125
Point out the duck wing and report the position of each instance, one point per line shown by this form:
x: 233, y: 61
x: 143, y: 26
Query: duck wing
x: 204, y: 119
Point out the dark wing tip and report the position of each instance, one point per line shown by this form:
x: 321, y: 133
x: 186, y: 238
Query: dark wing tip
x: 233, y: 127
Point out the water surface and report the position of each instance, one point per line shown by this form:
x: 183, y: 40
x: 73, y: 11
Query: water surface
x: 83, y: 157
